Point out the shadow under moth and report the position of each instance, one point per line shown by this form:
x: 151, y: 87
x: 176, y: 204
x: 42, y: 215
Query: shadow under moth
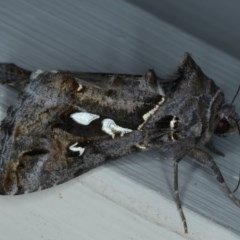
x: 66, y: 123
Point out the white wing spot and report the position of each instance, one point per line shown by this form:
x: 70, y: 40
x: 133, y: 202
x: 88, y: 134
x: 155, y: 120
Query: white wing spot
x: 111, y: 128
x: 141, y: 146
x: 147, y: 115
x: 173, y: 122
x: 77, y: 149
x: 80, y: 87
x: 172, y: 137
x: 35, y: 74
x: 84, y: 118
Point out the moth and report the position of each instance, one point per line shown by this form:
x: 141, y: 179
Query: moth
x: 66, y: 123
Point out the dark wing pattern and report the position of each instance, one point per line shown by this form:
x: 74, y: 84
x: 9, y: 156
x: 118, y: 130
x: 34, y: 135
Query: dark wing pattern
x: 64, y: 125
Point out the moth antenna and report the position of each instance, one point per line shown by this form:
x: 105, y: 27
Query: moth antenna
x: 238, y: 127
x: 238, y: 184
x: 235, y: 95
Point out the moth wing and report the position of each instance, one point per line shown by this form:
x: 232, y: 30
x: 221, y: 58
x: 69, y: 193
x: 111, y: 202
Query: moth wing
x: 148, y: 82
x: 14, y: 76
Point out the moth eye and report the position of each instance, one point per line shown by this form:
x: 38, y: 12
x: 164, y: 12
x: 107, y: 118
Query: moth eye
x: 222, y: 127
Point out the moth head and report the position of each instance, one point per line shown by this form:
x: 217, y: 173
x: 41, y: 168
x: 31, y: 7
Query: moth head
x: 229, y: 120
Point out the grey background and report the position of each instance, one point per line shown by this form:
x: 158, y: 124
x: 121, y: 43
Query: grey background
x: 213, y: 21
x: 131, y: 37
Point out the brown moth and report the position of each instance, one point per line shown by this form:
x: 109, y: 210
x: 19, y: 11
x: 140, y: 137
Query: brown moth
x: 66, y: 123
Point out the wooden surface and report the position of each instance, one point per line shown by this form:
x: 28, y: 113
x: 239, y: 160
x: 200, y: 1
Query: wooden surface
x: 131, y: 198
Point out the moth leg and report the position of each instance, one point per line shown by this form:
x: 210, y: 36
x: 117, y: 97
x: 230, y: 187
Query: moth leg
x: 206, y: 160
x: 14, y: 76
x: 177, y: 196
x: 210, y: 146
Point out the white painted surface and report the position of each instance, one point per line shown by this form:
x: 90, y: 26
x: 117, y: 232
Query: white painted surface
x: 132, y: 197
x: 102, y: 204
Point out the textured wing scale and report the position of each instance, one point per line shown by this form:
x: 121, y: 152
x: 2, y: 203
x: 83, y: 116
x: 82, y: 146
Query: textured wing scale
x: 67, y: 123
x: 42, y: 145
